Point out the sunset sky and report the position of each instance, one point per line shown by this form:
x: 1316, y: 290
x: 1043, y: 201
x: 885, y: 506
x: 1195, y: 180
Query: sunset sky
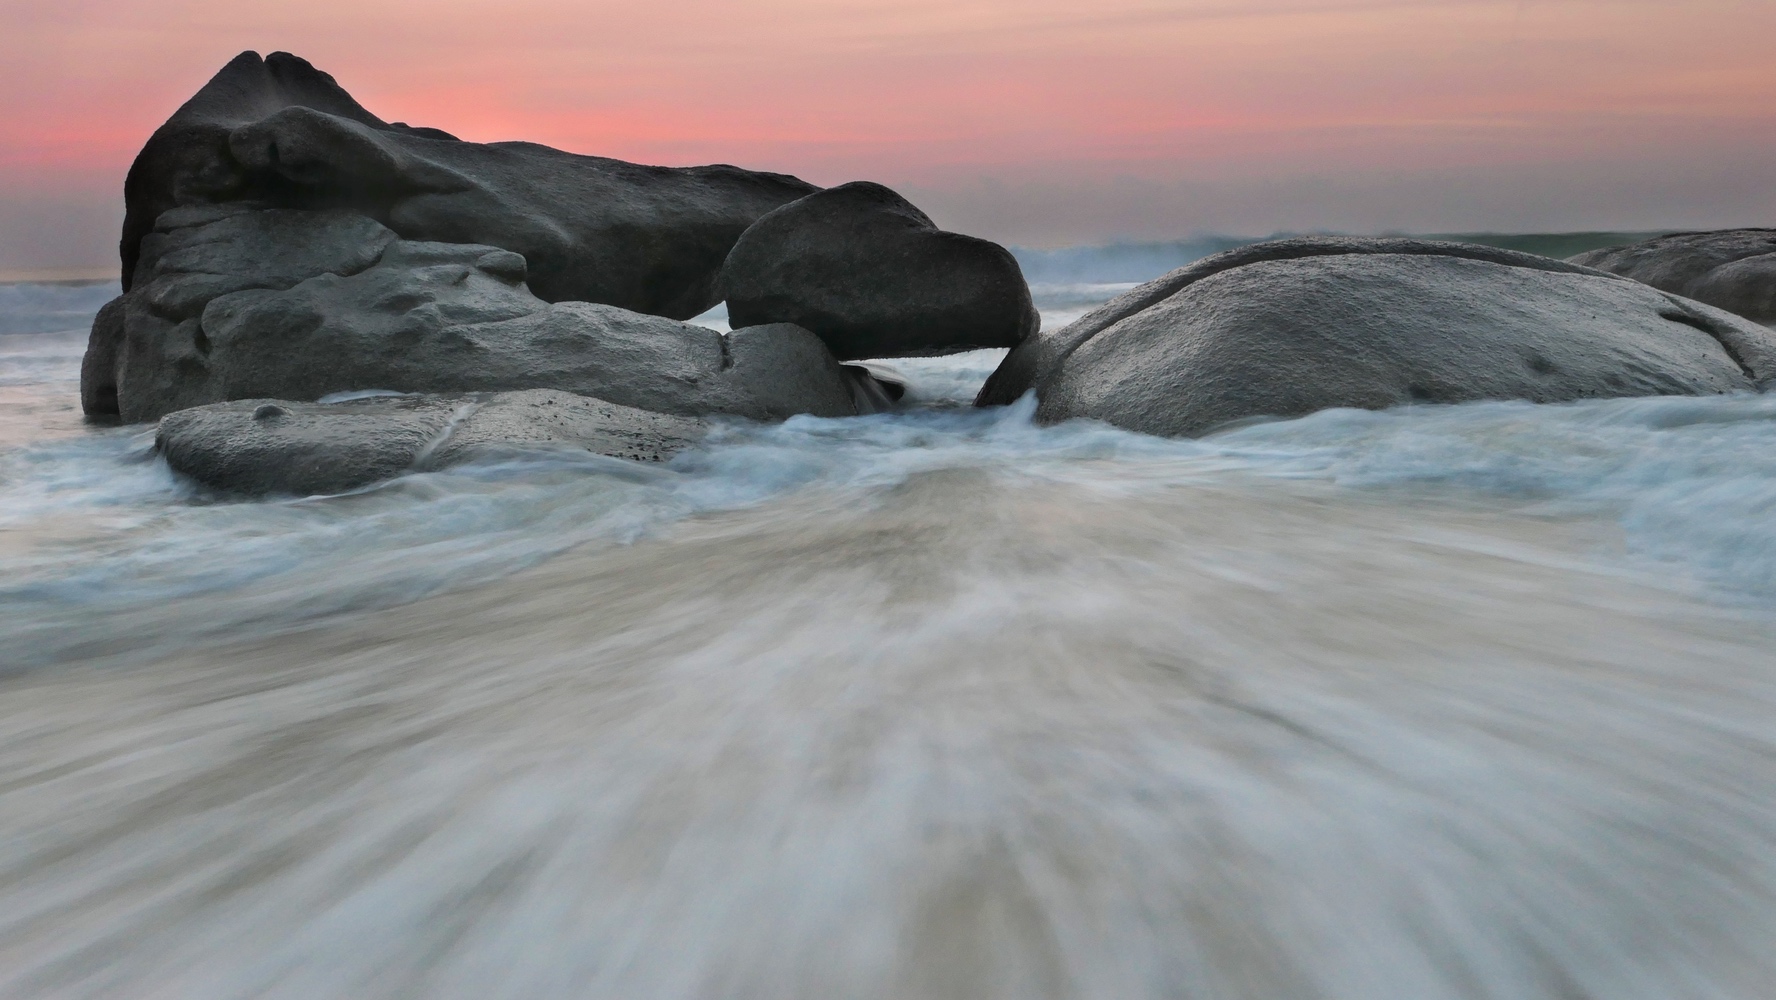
x: 1035, y: 122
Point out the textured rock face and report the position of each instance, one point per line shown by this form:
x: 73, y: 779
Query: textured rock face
x: 874, y: 278
x: 1290, y: 327
x: 148, y: 352
x: 1733, y: 269
x: 262, y: 446
x: 297, y: 305
x: 279, y: 133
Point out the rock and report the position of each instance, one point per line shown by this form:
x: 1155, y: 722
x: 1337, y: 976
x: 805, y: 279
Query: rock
x: 98, y: 367
x: 439, y: 317
x: 187, y: 162
x: 346, y: 306
x: 195, y: 254
x: 260, y: 446
x: 1286, y: 328
x: 279, y: 133
x: 191, y: 256
x: 884, y: 385
x: 1733, y: 269
x: 874, y: 278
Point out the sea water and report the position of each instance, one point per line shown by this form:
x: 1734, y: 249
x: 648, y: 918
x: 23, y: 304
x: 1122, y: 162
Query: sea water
x: 1439, y: 702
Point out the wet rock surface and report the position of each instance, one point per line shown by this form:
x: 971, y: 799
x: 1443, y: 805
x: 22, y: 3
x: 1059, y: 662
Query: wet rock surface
x: 873, y: 277
x: 1732, y: 269
x: 1290, y: 327
x: 270, y: 446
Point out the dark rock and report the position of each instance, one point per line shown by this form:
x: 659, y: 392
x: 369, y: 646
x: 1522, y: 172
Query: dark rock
x: 874, y: 278
x: 151, y: 337
x: 279, y: 133
x: 1286, y: 328
x: 374, y: 312
x: 98, y: 367
x: 1733, y: 269
x: 195, y: 254
x: 187, y: 162
x: 281, y: 446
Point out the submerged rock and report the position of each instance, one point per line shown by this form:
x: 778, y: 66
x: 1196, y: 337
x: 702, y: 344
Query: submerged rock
x: 873, y: 277
x: 1732, y: 269
x: 297, y: 305
x: 1289, y: 327
x: 260, y: 446
x: 276, y: 132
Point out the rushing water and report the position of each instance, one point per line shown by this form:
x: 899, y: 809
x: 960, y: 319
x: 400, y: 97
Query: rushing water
x: 1441, y: 702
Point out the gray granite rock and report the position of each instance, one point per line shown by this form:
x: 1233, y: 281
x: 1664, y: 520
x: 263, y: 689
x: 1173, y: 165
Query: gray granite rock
x: 276, y: 132
x: 296, y: 305
x: 195, y: 254
x: 148, y: 349
x: 1286, y: 328
x: 260, y: 446
x: 1732, y: 269
x: 873, y: 277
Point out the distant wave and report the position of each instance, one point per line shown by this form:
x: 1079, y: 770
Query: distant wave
x: 1136, y: 262
x: 51, y: 308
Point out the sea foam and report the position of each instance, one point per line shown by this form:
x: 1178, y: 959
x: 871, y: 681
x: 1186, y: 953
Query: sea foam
x: 1434, y: 702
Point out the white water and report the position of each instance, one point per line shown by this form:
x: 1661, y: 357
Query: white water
x: 1470, y: 701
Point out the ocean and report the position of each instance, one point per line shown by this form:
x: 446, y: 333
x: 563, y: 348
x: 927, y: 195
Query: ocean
x: 1470, y: 701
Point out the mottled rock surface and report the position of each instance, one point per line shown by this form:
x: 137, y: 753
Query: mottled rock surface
x: 260, y: 446
x: 1732, y: 269
x: 1286, y: 328
x: 873, y: 277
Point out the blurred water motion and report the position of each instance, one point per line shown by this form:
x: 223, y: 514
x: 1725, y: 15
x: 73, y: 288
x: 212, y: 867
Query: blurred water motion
x: 1461, y: 702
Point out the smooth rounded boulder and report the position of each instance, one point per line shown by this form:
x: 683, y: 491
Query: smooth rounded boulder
x: 1286, y: 328
x: 873, y: 277
x: 1732, y: 269
x: 261, y: 446
x: 276, y: 132
x: 220, y: 312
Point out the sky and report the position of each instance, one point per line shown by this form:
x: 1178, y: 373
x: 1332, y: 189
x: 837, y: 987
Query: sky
x: 1032, y: 122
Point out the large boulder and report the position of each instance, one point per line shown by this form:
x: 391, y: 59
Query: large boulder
x: 276, y: 132
x: 1286, y: 328
x: 260, y: 446
x: 873, y: 277
x: 1733, y: 269
x: 236, y: 304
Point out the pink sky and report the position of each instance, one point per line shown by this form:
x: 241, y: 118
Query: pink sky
x: 1031, y: 121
